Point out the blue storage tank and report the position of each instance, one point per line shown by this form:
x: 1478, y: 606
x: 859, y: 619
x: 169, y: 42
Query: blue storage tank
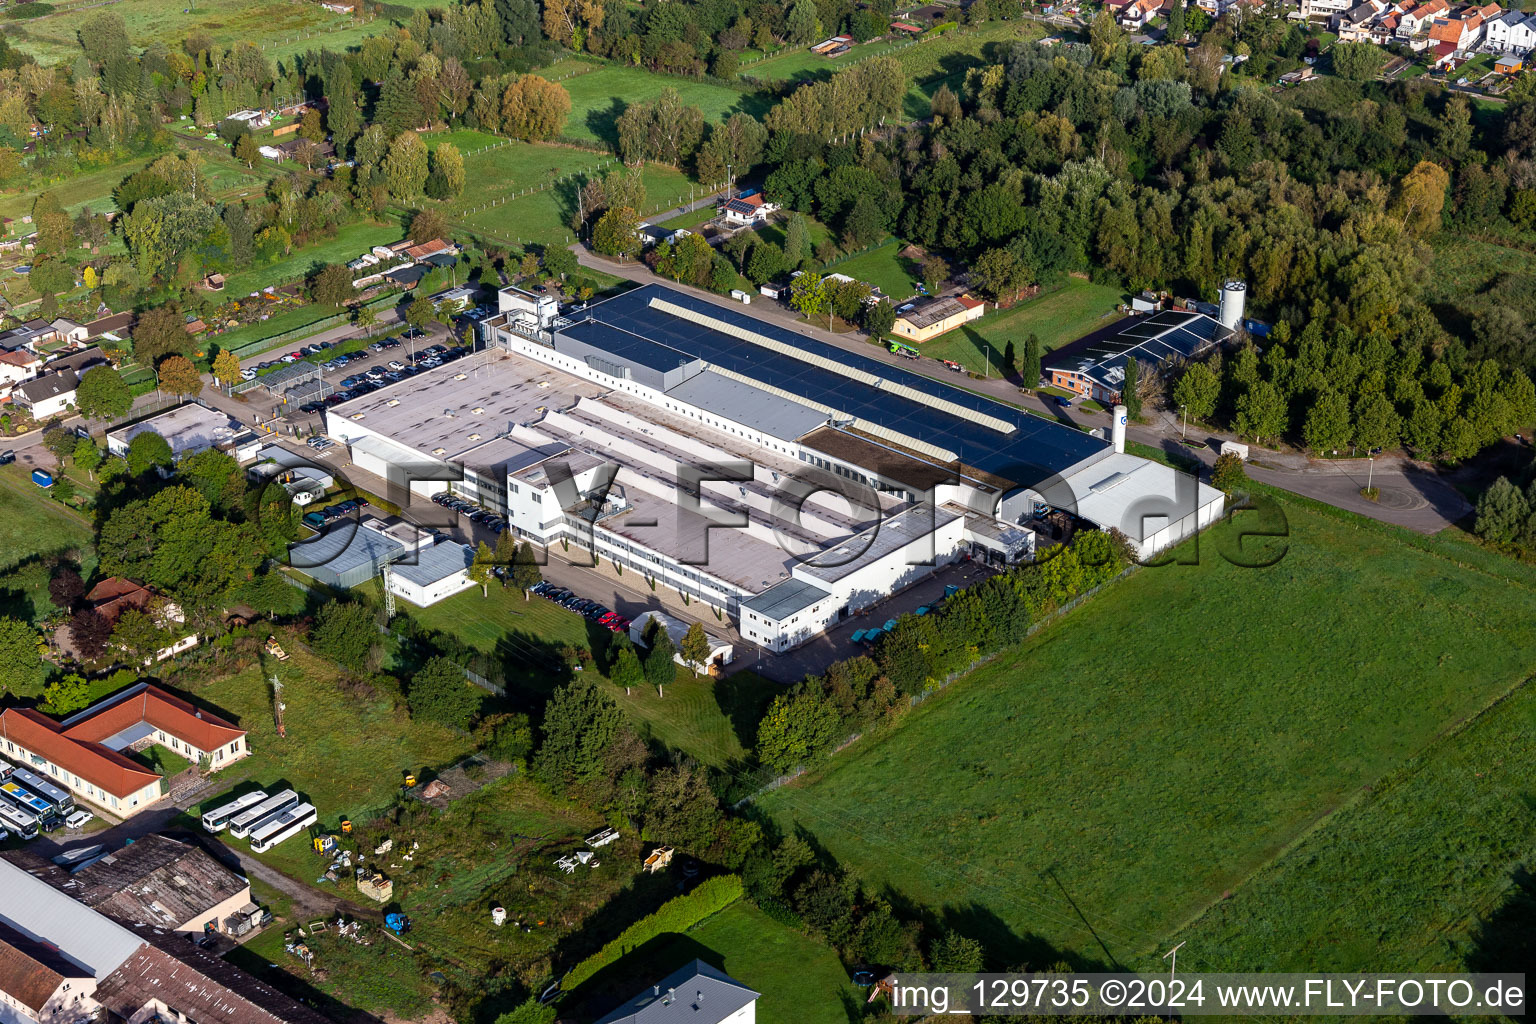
x: 42, y: 478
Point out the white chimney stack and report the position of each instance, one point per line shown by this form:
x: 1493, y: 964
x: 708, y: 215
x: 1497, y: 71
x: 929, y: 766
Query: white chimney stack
x: 1121, y: 416
x: 1234, y: 295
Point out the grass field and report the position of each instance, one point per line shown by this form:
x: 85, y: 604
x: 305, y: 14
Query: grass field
x: 703, y: 717
x: 345, y: 753
x: 91, y: 189
x: 33, y: 525
x: 599, y: 97
x: 800, y: 980
x: 800, y: 63
x: 884, y: 268
x: 544, y: 216
x: 1056, y: 318
x: 1102, y: 784
x: 350, y: 242
x: 280, y: 29
x: 1418, y: 873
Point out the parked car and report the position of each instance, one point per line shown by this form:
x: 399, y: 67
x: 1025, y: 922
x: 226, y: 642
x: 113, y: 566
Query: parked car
x: 7, y: 457
x: 248, y: 374
x: 78, y: 819
x: 314, y: 520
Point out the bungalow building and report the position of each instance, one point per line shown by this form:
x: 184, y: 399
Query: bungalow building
x: 694, y: 994
x: 29, y: 334
x: 113, y: 327
x: 86, y: 752
x: 48, y: 395
x: 749, y: 210
x: 932, y: 316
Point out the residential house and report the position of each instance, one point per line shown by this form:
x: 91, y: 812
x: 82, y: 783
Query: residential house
x: 163, y: 882
x: 1511, y: 32
x: 748, y: 210
x: 116, y: 594
x: 1416, y: 18
x: 85, y: 752
x: 48, y: 395
x: 17, y: 366
x: 80, y: 361
x: 29, y: 335
x: 67, y: 329
x: 694, y: 994
x: 1135, y: 15
x: 932, y: 316
x: 113, y: 327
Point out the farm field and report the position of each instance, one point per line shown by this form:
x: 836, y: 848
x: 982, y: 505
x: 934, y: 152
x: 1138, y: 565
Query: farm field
x: 91, y: 189
x: 800, y: 979
x: 1056, y: 318
x: 280, y: 29
x: 800, y: 63
x: 1453, y: 823
x: 599, y: 97
x: 1091, y: 791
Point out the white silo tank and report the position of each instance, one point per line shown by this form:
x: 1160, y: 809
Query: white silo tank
x: 1234, y: 295
x: 1117, y: 429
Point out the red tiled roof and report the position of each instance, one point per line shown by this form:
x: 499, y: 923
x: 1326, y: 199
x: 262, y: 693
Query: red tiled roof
x: 21, y: 357
x: 425, y: 249
x: 106, y: 769
x: 1444, y: 49
x: 115, y: 595
x: 968, y: 302
x: 25, y: 979
x: 1446, y: 32
x: 171, y: 715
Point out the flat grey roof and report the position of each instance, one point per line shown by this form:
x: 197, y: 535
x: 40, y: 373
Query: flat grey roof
x: 750, y: 406
x: 39, y: 911
x: 780, y: 602
x: 343, y: 547
x: 186, y: 428
x: 437, y: 410
x: 693, y: 539
x: 434, y: 563
x: 875, y: 543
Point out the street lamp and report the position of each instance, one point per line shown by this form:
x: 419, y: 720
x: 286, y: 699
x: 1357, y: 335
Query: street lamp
x: 1370, y: 474
x: 1184, y: 412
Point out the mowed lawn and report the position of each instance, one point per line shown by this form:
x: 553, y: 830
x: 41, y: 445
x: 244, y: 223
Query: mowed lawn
x: 883, y: 267
x: 33, y: 525
x: 1109, y: 779
x: 1056, y: 318
x: 800, y: 979
x: 599, y: 97
x: 544, y: 216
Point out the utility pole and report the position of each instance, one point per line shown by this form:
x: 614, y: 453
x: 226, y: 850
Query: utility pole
x: 277, y: 705
x: 1184, y: 412
x: 1172, y: 956
x: 1370, y: 474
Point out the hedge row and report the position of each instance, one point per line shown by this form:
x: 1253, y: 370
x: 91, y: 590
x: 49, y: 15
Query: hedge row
x: 678, y: 915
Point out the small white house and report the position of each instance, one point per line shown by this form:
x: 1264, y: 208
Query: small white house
x: 748, y: 210
x: 432, y: 573
x: 48, y: 395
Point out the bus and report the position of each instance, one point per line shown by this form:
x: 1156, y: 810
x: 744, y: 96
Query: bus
x: 216, y: 819
x: 17, y: 822
x: 285, y: 826
x: 241, y: 824
x: 30, y: 803
x: 61, y: 800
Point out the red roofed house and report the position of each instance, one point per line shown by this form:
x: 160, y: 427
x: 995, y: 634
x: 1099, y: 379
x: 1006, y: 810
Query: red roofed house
x: 115, y: 595
x: 1417, y: 18
x: 1136, y: 14
x: 749, y: 210
x: 85, y: 753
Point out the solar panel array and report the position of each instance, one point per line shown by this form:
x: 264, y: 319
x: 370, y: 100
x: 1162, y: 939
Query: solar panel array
x: 1032, y: 449
x: 1167, y: 335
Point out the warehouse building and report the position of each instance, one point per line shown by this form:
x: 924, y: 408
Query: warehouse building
x: 1094, y: 366
x: 781, y: 481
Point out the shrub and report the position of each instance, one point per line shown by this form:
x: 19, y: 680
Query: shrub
x: 678, y: 915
